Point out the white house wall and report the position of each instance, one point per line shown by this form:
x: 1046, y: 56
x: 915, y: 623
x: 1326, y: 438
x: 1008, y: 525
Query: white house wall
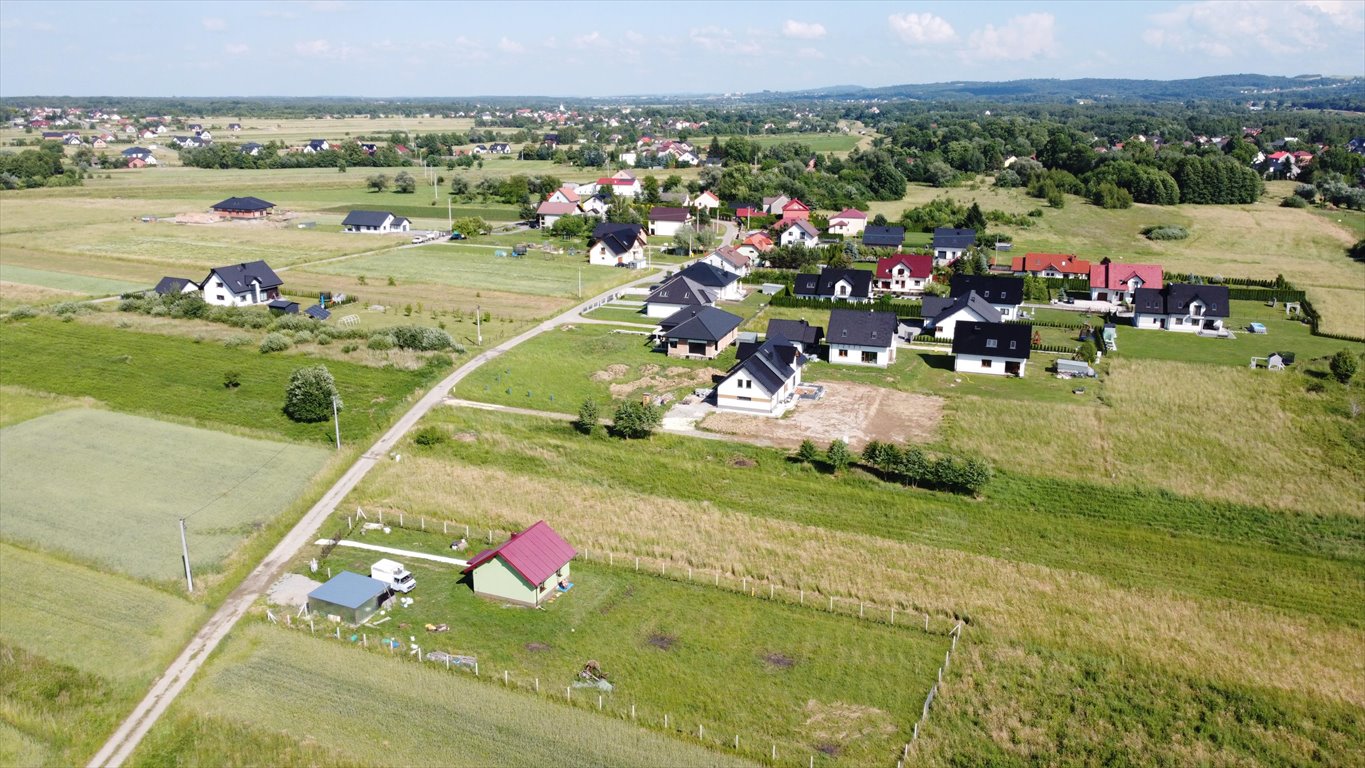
x: 977, y: 364
x: 849, y: 354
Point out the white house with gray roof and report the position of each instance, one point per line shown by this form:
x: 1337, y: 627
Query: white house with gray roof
x: 866, y: 338
x: 241, y: 285
x: 764, y: 381
x: 375, y: 221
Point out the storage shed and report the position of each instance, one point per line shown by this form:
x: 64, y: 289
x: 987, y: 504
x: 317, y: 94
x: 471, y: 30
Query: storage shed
x: 348, y: 597
x: 525, y: 569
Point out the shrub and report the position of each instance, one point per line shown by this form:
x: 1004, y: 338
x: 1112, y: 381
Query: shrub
x: 310, y: 394
x: 807, y: 453
x: 587, y: 417
x: 429, y: 436
x: 274, y: 342
x: 1087, y: 352
x: 237, y: 340
x: 302, y: 337
x: 232, y: 379
x: 420, y: 337
x: 294, y: 323
x: 1166, y: 232
x: 69, y: 308
x: 380, y: 341
x: 634, y: 419
x: 838, y: 455
x: 1293, y: 201
x: 347, y: 349
x: 323, y: 339
x: 22, y: 313
x: 1343, y: 366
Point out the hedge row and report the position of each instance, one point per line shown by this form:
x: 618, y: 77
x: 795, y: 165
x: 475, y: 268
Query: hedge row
x: 1265, y: 294
x: 884, y: 304
x: 1065, y: 350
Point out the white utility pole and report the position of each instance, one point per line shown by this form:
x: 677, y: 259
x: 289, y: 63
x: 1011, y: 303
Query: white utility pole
x: 478, y: 322
x: 336, y: 421
x: 185, y: 553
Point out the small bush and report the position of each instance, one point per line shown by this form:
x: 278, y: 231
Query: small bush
x: 380, y: 341
x: 294, y: 323
x: 1293, y: 201
x: 1343, y: 366
x: 302, y: 337
x: 232, y: 379
x: 70, y: 308
x: 420, y: 337
x: 323, y: 339
x: 22, y: 313
x: 237, y: 340
x: 347, y: 349
x: 635, y: 419
x: 310, y: 395
x: 587, y: 417
x: 274, y: 342
x: 429, y: 436
x: 1169, y: 232
x: 807, y: 453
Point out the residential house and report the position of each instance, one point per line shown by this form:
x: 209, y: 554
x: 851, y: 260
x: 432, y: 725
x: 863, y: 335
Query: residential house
x: 243, y: 208
x: 998, y: 349
x: 772, y: 206
x: 550, y: 211
x: 526, y: 569
x: 681, y: 198
x: 99, y: 142
x: 904, y: 274
x: 620, y: 187
x: 234, y: 127
x: 205, y: 137
x: 862, y: 337
x: 795, y: 210
x: 949, y: 245
x: 941, y: 315
x: 726, y: 285
x: 1182, y: 307
x: 565, y: 194
x: 706, y: 200
x: 374, y: 221
x: 241, y: 285
x: 317, y: 145
x: 1117, y: 283
x: 755, y: 245
x: 853, y: 285
x: 763, y: 381
x: 138, y: 162
x: 251, y: 148
x: 802, y: 233
x: 883, y: 237
x: 746, y: 211
x: 594, y: 205
x: 665, y: 221
x: 698, y: 332
x: 170, y: 286
x: 677, y: 293
x: 799, y: 333
x: 730, y: 259
x: 1003, y: 293
x: 283, y: 307
x: 368, y: 147
x: 847, y: 222
x: 140, y: 153
x: 618, y: 245
x: 1057, y: 265
x: 194, y: 127
x: 499, y: 148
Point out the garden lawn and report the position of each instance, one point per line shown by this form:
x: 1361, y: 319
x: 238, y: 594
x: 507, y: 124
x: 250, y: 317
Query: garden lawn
x: 331, y: 693
x: 1283, y: 335
x: 172, y: 376
x: 558, y: 370
x: 108, y: 487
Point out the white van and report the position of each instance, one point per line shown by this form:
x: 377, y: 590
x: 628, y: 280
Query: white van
x: 394, y: 575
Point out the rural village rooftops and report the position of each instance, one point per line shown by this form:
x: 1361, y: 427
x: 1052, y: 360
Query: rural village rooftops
x: 1175, y: 299
x: 1114, y: 275
x: 239, y: 277
x: 937, y: 308
x: 795, y: 330
x: 823, y: 284
x: 242, y: 204
x: 996, y: 289
x: 170, y: 285
x: 769, y: 363
x: 700, y: 324
x: 921, y: 265
x: 1012, y: 340
x: 862, y: 328
x: 618, y: 238
x: 683, y: 291
x: 708, y: 275
x: 536, y: 553
x: 368, y: 219
x: 884, y: 237
x: 665, y: 213
x: 954, y: 239
x: 1064, y: 263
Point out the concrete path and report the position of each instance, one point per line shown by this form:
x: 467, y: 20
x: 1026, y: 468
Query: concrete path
x: 171, y: 682
x: 391, y: 551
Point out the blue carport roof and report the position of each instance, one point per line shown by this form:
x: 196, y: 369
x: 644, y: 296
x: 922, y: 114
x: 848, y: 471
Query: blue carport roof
x: 349, y: 590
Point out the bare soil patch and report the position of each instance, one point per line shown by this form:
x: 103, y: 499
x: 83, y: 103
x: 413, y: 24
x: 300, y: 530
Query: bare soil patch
x: 779, y: 660
x: 853, y: 412
x: 742, y: 462
x: 650, y: 382
x: 465, y: 437
x: 611, y: 373
x: 661, y: 641
x: 538, y: 647
x: 833, y: 725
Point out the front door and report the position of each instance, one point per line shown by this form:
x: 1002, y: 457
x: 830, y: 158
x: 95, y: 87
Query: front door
x: 1012, y: 368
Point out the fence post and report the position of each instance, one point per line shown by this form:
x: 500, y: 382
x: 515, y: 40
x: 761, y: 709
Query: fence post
x: 637, y: 563
x: 831, y: 604
x: 537, y: 685
x: 689, y: 574
x: 424, y: 522
x: 893, y: 615
x: 466, y: 531
x: 312, y: 628
x: 771, y: 590
x: 860, y: 610
x: 803, y: 599
x: 611, y: 558
x: 381, y: 517
x: 926, y: 622
x: 665, y: 719
x: 568, y: 693
x: 365, y: 640
x: 445, y: 528
x: 774, y: 753
x: 701, y: 730
x: 504, y: 677
x: 599, y: 702
x: 736, y: 742
x: 632, y: 711
x: 400, y: 519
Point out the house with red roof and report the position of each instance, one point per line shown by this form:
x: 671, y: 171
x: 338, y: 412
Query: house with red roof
x: 755, y: 245
x: 1064, y: 265
x: 1117, y: 283
x: 795, y: 210
x: 620, y: 187
x: 849, y: 221
x: 706, y: 200
x: 550, y: 211
x: 904, y: 274
x: 527, y: 569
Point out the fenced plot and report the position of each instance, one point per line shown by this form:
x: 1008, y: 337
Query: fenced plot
x: 109, y: 488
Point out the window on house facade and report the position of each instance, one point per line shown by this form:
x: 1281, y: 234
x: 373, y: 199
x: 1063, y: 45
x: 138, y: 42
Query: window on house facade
x: 991, y: 343
x: 985, y: 363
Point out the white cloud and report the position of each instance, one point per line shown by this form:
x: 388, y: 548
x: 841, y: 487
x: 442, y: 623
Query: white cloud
x: 590, y: 40
x: 922, y: 28
x: 507, y: 45
x: 810, y: 53
x: 1344, y: 12
x: 323, y: 49
x: 635, y: 38
x: 721, y: 40
x: 236, y: 49
x: 32, y: 26
x: 803, y: 30
x: 213, y: 24
x: 1019, y: 39
x: 274, y: 13
x: 1222, y: 29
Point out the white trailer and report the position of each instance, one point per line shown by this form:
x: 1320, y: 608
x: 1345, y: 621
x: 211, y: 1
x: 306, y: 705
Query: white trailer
x: 394, y: 575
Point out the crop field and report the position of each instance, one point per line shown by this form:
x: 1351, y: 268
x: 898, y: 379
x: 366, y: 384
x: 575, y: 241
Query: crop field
x: 330, y: 692
x: 146, y: 373
x: 839, y: 143
x: 18, y: 404
x: 1175, y: 601
x: 66, y: 281
x: 109, y: 487
x: 557, y: 371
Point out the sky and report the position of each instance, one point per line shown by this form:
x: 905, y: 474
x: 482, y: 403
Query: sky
x: 499, y: 48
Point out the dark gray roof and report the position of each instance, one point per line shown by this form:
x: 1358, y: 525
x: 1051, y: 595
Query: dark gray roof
x: 619, y: 238
x: 664, y: 213
x: 683, y: 291
x: 317, y: 312
x: 822, y: 285
x: 933, y: 306
x: 786, y: 350
x: 993, y: 288
x: 250, y: 145
x: 884, y: 237
x: 316, y: 143
x: 1175, y: 299
x: 174, y: 285
x: 366, y: 218
x: 137, y: 152
x: 1010, y: 340
x: 970, y: 300
x: 863, y: 328
x: 242, y: 204
x: 945, y: 237
x: 238, y: 277
x: 284, y: 305
x: 1149, y: 301
x: 796, y: 330
x: 768, y: 363
x: 349, y: 590
x: 700, y: 324
x: 709, y: 275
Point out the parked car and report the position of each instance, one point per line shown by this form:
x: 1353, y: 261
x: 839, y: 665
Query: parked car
x: 456, y: 236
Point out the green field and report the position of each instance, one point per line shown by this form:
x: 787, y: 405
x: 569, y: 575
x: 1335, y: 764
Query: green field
x: 108, y: 488
x: 1283, y: 335
x: 556, y: 371
x: 330, y: 693
x: 154, y: 374
x: 818, y: 142
x: 66, y: 281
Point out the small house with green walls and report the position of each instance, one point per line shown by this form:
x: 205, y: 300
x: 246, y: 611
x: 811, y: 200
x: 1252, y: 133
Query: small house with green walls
x: 526, y: 569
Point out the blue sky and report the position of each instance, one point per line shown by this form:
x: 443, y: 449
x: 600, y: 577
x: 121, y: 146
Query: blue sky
x: 598, y: 49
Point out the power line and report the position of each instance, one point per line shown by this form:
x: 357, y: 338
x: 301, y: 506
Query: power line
x: 254, y: 472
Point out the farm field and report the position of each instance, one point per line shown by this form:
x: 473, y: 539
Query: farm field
x: 557, y: 371
x: 456, y: 720
x: 18, y: 404
x: 66, y: 281
x: 108, y: 488
x: 770, y: 671
x: 838, y: 143
x: 1051, y: 575
x: 145, y: 373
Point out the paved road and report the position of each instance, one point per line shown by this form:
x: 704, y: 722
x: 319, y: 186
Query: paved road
x: 164, y: 690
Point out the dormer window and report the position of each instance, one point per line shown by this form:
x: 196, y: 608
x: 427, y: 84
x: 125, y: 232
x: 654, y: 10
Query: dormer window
x: 991, y: 343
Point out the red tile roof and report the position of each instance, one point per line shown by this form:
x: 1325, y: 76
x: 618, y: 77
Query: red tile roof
x: 616, y: 182
x: 550, y: 208
x: 1114, y: 276
x: 796, y: 205
x: 920, y: 265
x: 1065, y: 263
x: 535, y: 553
x: 849, y: 213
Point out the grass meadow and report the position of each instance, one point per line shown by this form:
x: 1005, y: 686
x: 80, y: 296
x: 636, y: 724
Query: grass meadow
x: 66, y: 281
x: 153, y: 374
x: 334, y: 695
x: 1179, y: 599
x: 772, y: 672
x: 108, y: 488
